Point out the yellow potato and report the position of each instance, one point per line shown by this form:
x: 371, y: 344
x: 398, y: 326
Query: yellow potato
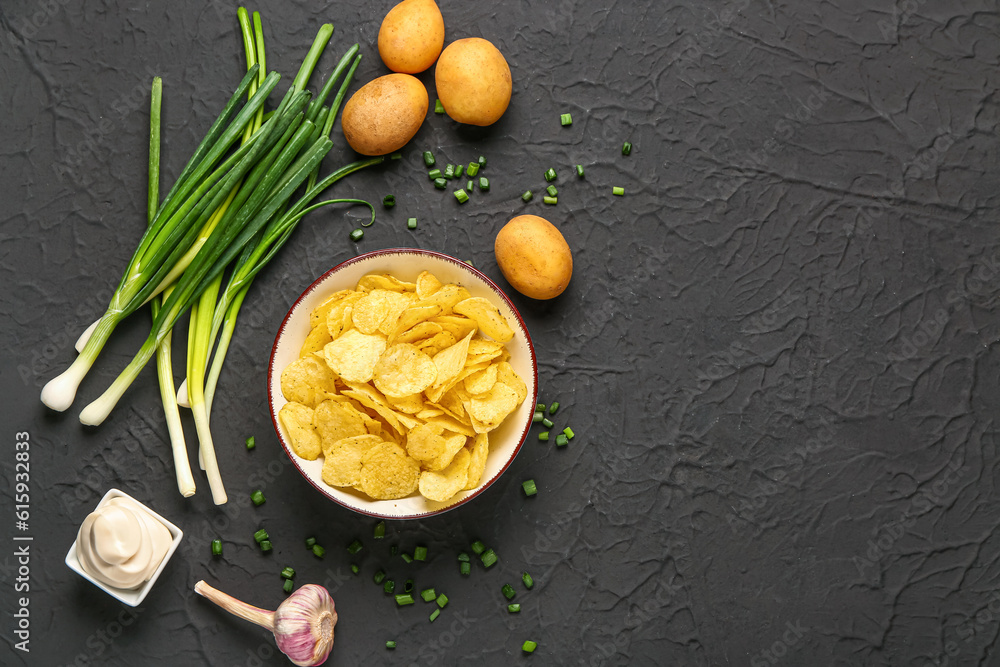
x: 411, y: 36
x: 473, y: 81
x: 384, y: 114
x: 534, y: 257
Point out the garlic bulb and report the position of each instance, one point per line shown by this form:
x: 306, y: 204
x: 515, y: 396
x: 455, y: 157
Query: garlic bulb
x: 302, y: 624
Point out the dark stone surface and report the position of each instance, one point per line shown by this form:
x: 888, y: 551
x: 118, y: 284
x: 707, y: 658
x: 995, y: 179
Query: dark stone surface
x: 779, y: 349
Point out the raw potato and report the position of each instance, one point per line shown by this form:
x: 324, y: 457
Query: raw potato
x: 534, y: 257
x: 473, y: 81
x: 384, y: 114
x: 411, y: 36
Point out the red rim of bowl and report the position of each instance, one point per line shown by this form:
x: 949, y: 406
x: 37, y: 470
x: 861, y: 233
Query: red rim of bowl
x: 354, y: 260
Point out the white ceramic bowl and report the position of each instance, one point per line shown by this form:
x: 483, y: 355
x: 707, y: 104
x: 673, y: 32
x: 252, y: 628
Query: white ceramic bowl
x: 405, y: 264
x: 132, y: 597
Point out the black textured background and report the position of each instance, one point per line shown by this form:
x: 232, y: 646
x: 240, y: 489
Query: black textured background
x: 779, y: 349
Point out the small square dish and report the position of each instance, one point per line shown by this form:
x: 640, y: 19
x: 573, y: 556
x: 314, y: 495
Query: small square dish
x: 132, y: 597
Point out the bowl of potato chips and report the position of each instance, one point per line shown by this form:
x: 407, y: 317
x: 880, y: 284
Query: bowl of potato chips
x: 402, y: 383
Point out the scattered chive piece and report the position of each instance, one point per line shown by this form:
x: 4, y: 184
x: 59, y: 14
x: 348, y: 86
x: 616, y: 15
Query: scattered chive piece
x: 626, y: 148
x: 463, y: 557
x: 411, y: 223
x: 440, y: 183
x: 449, y: 171
x: 543, y: 436
x: 354, y: 568
x: 546, y: 422
x: 287, y: 573
x: 513, y: 608
x: 489, y: 558
x: 472, y: 169
x: 552, y: 201
x: 562, y: 440
x: 429, y: 159
x: 396, y: 156
x: 508, y: 591
x: 357, y: 235
x: 404, y: 599
x: 260, y: 535
x: 469, y: 185
x: 434, y: 174
x: 265, y: 545
x: 389, y: 201
x: 459, y: 168
x: 288, y: 586
x: 442, y: 600
x: 216, y: 547
x: 478, y: 547
x: 569, y: 433
x: 461, y: 196
x: 434, y: 615
x: 428, y: 595
x: 379, y: 531
x: 550, y: 175
x: 537, y: 417
x: 552, y: 190
x: 438, y: 107
x: 579, y: 170
x: 539, y: 407
x: 484, y: 184
x: 354, y: 547
x: 527, y: 195
x: 529, y: 487
x: 379, y: 577
x: 390, y: 644
x: 310, y: 542
x: 420, y: 553
x: 465, y: 569
x: 528, y: 581
x: 408, y: 586
x: 481, y: 161
x: 566, y: 119
x: 318, y: 551
x: 469, y: 262
x: 251, y: 443
x: 389, y: 586
x: 529, y: 646
x: 394, y: 550
x: 554, y: 408
x: 257, y: 497
x: 617, y: 191
x: 407, y: 557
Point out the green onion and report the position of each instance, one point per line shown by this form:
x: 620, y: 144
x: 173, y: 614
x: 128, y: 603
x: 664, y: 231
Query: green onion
x: 566, y: 119
x: 434, y: 615
x: 508, y: 591
x: 617, y: 191
x: 379, y: 577
x: 469, y: 184
x: 472, y: 169
x: 478, y: 547
x: 389, y: 586
x: 408, y: 586
x: 539, y: 407
x: 626, y: 148
x: 390, y: 644
x: 438, y: 107
x: 265, y: 546
x: 354, y: 568
x: 288, y: 586
x: 258, y: 498
x: 528, y: 581
x: 440, y: 183
x: 429, y: 159
x: 411, y: 223
x: 543, y: 436
x: 579, y: 170
x: 428, y: 595
x: 396, y: 156
x: 442, y: 600
x: 310, y: 542
x: 562, y: 440
x: 554, y: 408
x: 407, y: 558
x: 537, y: 417
x: 260, y: 536
x: 318, y: 551
x: 465, y: 569
x: 357, y: 235
x: 552, y: 190
x: 550, y: 175
x: 529, y: 646
x: 251, y: 443
x: 404, y: 599
x: 569, y: 433
x: 287, y: 573
x: 551, y: 201
x: 393, y: 550
x: 389, y: 201
x: 459, y: 169
x: 463, y: 557
x: 546, y: 422
x: 379, y: 531
x: 526, y: 196
x: 354, y: 547
x: 489, y: 558
x: 461, y: 196
x: 449, y: 171
x: 484, y: 184
x: 481, y: 161
x: 434, y: 174
x: 513, y: 608
x: 420, y: 553
x: 216, y: 547
x: 529, y: 487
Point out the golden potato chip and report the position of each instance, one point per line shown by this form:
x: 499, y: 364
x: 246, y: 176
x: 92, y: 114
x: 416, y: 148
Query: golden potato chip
x: 427, y: 284
x: 353, y: 356
x: 446, y: 297
x: 424, y: 442
x: 442, y: 485
x: 335, y: 420
x: 481, y: 381
x: 490, y: 409
x: 388, y: 473
x: 428, y: 413
x: 458, y: 325
x: 315, y: 341
x: 453, y: 443
x: 370, y: 398
x: 411, y: 317
x: 371, y: 310
x: 436, y: 343
x: 319, y: 313
x: 410, y: 405
x: 450, y: 423
x: 507, y: 375
x: 483, y: 350
x: 398, y: 303
x: 403, y: 370
x: 418, y: 333
x: 340, y: 318
x: 487, y: 317
x: 297, y: 420
x: 307, y: 381
x: 450, y: 361
x: 342, y: 462
x: 374, y: 281
x: 451, y: 403
x: 477, y: 460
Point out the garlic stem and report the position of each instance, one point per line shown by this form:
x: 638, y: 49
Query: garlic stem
x: 261, y: 617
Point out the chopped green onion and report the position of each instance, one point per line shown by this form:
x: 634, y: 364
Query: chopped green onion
x: 569, y: 433
x: 404, y: 599
x: 354, y: 547
x: 551, y: 201
x: 429, y: 159
x: 434, y: 174
x: 354, y: 568
x: 528, y: 581
x: 449, y: 171
x: 552, y: 190
x: 546, y: 422
x: 617, y: 191
x: 260, y: 535
x: 478, y: 547
x: 411, y: 223
x: 626, y: 148
x: 438, y: 107
x: 408, y: 586
x: 469, y: 262
x: 318, y: 551
x: 288, y: 586
x: 469, y: 184
x: 554, y: 408
x: 379, y: 531
x: 562, y: 440
x: 527, y: 195
x: 379, y: 577
x: 389, y: 586
x: 529, y: 646
x: 543, y: 436
x: 357, y: 235
x: 481, y: 161
x: 484, y: 184
x: 420, y: 553
x: 440, y: 183
x: 472, y: 169
x: 579, y: 170
x: 566, y: 119
x: 407, y: 558
x: 396, y: 156
x: 463, y: 557
x: 442, y: 600
x: 513, y: 608
x: 389, y: 201
x: 508, y: 591
x: 428, y: 595
x: 537, y: 417
x: 465, y: 569
x: 287, y: 573
x: 390, y: 644
x: 265, y: 545
x: 393, y: 550
x: 251, y: 443
x: 459, y: 169
x: 550, y: 174
x: 434, y: 615
x: 461, y: 196
x: 529, y: 487
x: 216, y: 547
x: 258, y: 498
x: 310, y: 542
x: 489, y: 558
x: 539, y: 407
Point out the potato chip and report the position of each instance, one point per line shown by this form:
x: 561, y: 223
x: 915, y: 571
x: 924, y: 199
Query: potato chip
x: 428, y: 413
x: 481, y: 381
x: 315, y: 341
x: 425, y: 442
x: 450, y: 423
x: 450, y: 361
x: 453, y: 443
x: 411, y: 317
x: 487, y: 317
x: 507, y: 375
x: 451, y: 403
x: 370, y: 398
x: 442, y: 485
x: 374, y: 281
x: 353, y: 356
x: 481, y: 349
x: 458, y: 325
x: 342, y: 461
x: 427, y: 284
x: 335, y: 420
x: 307, y: 381
x: 403, y: 370
x: 388, y: 473
x: 490, y: 409
x: 479, y: 450
x: 436, y: 343
x: 340, y: 318
x: 410, y: 405
x: 297, y: 420
x: 446, y: 297
x: 398, y: 303
x: 371, y: 310
x: 418, y: 333
x: 319, y: 313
